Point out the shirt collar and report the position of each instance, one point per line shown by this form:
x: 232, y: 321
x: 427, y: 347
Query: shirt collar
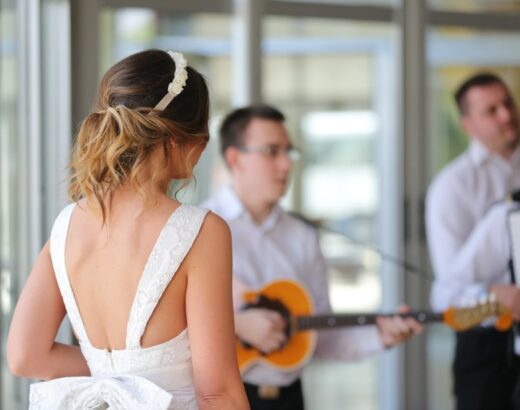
x: 479, y: 154
x: 234, y: 209
x: 272, y: 219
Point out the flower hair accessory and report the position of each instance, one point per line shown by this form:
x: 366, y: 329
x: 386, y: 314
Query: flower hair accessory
x: 178, y: 83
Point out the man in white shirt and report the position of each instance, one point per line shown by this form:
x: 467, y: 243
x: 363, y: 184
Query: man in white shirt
x: 269, y: 244
x: 466, y: 221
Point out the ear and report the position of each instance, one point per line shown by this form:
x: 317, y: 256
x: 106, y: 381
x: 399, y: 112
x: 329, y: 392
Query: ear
x: 231, y: 157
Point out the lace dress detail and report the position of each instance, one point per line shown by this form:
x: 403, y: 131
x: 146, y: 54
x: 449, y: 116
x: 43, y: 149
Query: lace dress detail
x: 173, y: 244
x: 157, y: 377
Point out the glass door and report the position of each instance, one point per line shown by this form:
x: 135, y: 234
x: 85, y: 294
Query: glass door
x: 327, y: 76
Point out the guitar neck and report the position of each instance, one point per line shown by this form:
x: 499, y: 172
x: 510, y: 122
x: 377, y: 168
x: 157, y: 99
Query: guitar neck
x: 333, y: 321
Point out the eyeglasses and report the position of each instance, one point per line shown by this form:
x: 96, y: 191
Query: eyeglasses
x: 273, y: 151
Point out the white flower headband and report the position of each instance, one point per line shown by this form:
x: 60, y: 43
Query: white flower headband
x: 178, y: 83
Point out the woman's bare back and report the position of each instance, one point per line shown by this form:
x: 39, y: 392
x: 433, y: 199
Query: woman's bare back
x: 105, y: 265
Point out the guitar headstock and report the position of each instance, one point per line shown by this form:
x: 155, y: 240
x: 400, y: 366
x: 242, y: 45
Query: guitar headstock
x: 460, y: 319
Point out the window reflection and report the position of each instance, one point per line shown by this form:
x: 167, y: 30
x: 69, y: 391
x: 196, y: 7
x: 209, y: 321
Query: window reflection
x: 353, y: 2
x: 9, y: 139
x: 476, y: 5
x: 323, y: 75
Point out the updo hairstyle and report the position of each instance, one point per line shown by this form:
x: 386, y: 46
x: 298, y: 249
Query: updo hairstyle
x: 115, y: 141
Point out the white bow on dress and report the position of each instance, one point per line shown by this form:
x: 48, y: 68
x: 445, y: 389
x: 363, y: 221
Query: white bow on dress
x: 99, y: 392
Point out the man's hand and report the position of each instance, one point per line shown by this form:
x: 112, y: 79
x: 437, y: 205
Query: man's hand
x: 509, y: 297
x: 261, y: 328
x: 395, y: 329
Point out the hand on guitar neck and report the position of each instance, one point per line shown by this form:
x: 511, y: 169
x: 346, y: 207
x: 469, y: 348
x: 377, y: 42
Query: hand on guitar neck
x: 509, y: 297
x: 397, y: 329
x: 265, y: 328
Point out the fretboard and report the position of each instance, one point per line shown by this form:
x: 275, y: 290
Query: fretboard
x: 332, y: 321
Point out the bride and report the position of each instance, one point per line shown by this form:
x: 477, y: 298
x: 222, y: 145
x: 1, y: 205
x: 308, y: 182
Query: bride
x: 144, y: 279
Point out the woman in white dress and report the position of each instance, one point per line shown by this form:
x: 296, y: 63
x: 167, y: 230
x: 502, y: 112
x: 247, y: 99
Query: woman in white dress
x: 145, y: 280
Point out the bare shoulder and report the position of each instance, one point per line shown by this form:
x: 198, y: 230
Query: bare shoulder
x: 214, y: 227
x: 211, y: 251
x: 214, y: 238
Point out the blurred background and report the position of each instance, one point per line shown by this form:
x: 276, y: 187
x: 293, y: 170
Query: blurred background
x: 367, y: 89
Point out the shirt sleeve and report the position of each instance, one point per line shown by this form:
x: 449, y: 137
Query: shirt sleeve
x: 348, y: 343
x: 467, y: 256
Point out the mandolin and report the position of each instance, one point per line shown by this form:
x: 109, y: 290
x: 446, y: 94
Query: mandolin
x: 292, y: 301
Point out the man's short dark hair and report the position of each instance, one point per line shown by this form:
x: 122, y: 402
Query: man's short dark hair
x: 477, y: 80
x: 234, y: 125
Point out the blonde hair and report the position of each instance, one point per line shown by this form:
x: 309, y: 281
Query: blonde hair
x: 114, y: 143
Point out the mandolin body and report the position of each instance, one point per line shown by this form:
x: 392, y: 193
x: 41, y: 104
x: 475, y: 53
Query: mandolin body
x: 300, y: 345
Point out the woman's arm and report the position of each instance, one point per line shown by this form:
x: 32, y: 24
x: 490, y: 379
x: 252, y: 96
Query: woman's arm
x: 31, y: 349
x: 210, y: 319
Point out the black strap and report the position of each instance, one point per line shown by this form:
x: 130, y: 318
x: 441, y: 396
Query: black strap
x: 516, y: 326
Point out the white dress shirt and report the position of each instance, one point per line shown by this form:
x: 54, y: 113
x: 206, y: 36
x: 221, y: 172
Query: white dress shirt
x: 466, y: 223
x: 284, y: 247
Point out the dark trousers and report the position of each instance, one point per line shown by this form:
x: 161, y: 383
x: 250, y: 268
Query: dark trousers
x: 290, y: 398
x: 485, y: 370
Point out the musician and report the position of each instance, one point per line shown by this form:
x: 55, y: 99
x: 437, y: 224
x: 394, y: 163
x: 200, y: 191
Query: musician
x: 466, y: 216
x: 269, y: 244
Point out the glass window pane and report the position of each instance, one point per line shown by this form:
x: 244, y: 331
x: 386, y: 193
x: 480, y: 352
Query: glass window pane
x: 325, y: 75
x: 453, y: 56
x: 476, y: 5
x: 9, y: 140
x: 350, y: 2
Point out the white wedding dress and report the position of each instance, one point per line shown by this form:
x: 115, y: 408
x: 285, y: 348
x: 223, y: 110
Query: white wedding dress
x: 157, y: 377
